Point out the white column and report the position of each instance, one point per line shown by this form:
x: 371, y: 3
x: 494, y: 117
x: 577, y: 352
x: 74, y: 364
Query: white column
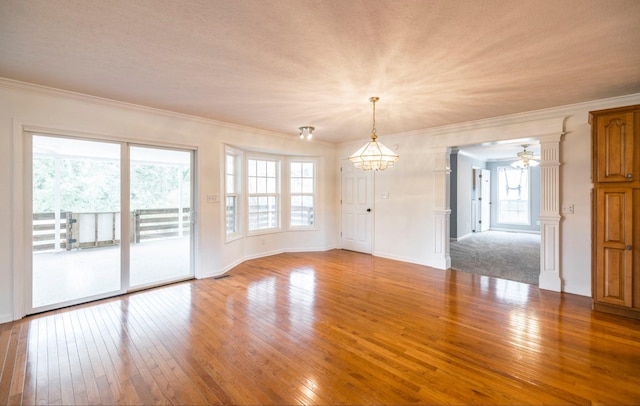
x: 441, y: 208
x: 550, y: 214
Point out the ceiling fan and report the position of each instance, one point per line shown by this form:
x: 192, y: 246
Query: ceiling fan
x: 526, y: 159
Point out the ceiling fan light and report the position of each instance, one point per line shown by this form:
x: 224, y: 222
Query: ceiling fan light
x: 525, y: 159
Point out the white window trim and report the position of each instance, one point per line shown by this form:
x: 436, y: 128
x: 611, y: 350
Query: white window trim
x: 288, y: 193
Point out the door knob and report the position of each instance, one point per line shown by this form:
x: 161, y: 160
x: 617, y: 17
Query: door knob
x: 629, y: 247
x: 629, y: 175
x: 368, y: 210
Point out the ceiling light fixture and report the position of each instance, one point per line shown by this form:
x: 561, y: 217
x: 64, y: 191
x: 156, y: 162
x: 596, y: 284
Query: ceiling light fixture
x: 373, y: 155
x: 306, y: 132
x: 525, y: 159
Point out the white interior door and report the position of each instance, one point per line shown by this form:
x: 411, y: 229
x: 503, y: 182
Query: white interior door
x: 357, y: 208
x: 484, y: 200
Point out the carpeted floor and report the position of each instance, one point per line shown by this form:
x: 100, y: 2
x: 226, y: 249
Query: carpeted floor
x: 513, y: 256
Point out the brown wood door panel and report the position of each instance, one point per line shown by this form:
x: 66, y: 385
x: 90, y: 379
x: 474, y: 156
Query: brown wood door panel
x: 614, y: 233
x: 614, y: 145
x: 636, y: 251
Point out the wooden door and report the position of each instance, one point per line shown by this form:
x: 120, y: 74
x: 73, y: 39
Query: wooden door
x: 613, y: 153
x: 614, y: 234
x: 357, y: 208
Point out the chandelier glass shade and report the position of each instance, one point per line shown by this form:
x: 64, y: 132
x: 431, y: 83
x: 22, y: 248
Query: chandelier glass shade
x: 373, y: 155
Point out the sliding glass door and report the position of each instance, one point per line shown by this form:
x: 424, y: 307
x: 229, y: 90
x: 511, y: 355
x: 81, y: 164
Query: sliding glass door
x: 77, y: 216
x: 76, y: 220
x: 161, y: 212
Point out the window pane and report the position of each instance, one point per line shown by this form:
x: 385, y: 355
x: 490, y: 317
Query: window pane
x: 253, y: 221
x: 307, y: 201
x: 513, y: 195
x: 307, y: 172
x: 262, y: 168
x: 231, y: 211
x: 296, y: 169
x: 271, y: 169
x: 231, y: 162
x: 271, y: 185
x: 301, y: 211
x: 262, y: 185
x: 230, y: 184
x: 296, y: 185
x: 307, y: 185
x: 253, y: 185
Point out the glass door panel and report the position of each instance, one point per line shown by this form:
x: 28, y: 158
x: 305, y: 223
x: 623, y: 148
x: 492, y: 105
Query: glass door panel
x: 160, y: 187
x: 75, y: 221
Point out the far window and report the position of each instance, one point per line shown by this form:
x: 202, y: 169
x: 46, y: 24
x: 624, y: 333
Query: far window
x: 263, y: 185
x: 302, y: 194
x: 232, y: 192
x: 513, y: 195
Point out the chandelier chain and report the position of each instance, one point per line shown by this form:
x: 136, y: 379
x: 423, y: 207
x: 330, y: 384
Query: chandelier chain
x: 373, y: 129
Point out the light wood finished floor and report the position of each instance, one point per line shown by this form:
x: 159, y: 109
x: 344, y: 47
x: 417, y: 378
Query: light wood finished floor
x: 325, y: 328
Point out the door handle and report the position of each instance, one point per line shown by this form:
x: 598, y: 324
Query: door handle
x: 629, y: 247
x: 368, y: 210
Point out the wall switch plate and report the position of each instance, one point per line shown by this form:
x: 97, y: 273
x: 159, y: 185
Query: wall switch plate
x: 212, y: 199
x: 567, y: 209
x: 385, y: 195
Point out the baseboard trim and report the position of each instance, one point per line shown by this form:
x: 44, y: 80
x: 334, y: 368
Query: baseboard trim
x: 462, y: 238
x: 620, y: 311
x: 511, y: 230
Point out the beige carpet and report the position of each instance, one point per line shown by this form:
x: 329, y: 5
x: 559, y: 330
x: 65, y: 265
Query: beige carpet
x: 512, y: 256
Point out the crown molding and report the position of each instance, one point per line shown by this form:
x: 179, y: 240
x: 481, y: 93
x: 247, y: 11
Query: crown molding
x: 41, y: 90
x: 544, y: 121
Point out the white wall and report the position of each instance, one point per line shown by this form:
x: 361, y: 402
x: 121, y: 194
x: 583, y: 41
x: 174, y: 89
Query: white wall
x: 25, y: 106
x: 405, y: 223
x: 405, y: 227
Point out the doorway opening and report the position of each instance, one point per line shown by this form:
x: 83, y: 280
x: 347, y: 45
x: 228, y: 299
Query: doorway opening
x: 501, y: 237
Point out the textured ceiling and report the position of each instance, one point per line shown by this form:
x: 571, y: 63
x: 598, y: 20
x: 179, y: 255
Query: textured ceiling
x: 281, y: 64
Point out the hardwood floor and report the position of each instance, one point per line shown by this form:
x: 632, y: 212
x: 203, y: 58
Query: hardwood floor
x: 325, y: 328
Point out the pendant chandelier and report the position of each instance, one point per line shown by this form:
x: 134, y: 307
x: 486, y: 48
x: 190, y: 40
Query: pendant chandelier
x: 525, y: 159
x: 373, y: 155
